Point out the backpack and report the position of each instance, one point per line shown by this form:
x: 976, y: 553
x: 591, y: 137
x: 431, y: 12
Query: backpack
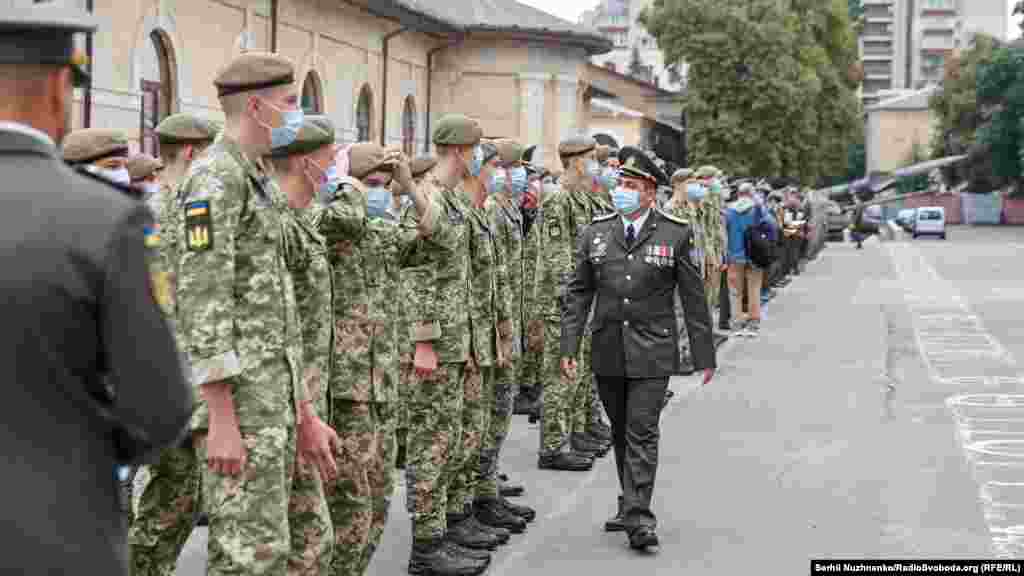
x: 758, y: 241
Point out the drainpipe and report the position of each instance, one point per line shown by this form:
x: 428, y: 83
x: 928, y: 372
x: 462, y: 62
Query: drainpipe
x: 384, y: 84
x: 273, y: 25
x: 430, y: 84
x: 87, y: 93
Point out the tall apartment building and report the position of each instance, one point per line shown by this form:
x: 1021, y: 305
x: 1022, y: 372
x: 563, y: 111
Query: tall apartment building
x: 617, y: 21
x: 905, y: 43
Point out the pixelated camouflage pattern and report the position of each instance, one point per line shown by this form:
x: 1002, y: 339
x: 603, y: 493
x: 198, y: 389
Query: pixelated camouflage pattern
x: 307, y: 261
x: 529, y: 364
x: 164, y: 254
x: 557, y: 394
x: 236, y: 303
x: 382, y: 483
x: 478, y: 400
x: 501, y: 394
x: 507, y: 222
x: 249, y: 513
x: 433, y: 444
x: 684, y: 210
x: 715, y: 243
x: 437, y: 308
x: 309, y: 523
x: 487, y: 289
x: 164, y: 512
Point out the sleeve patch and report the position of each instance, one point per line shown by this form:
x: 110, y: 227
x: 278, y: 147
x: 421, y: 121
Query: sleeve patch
x: 554, y: 232
x: 199, y: 225
x: 151, y: 236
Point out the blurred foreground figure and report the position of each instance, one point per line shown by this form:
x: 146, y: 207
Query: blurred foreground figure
x: 92, y: 375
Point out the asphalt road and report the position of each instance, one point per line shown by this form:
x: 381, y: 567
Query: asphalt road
x: 826, y: 437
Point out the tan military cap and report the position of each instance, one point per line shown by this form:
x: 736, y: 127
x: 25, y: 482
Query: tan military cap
x: 311, y: 137
x: 254, y: 71
x: 602, y: 152
x: 510, y: 151
x: 457, y: 130
x: 142, y: 166
x: 365, y: 158
x: 185, y: 127
x: 322, y: 122
x: 490, y: 150
x: 706, y: 172
x: 575, y: 146
x: 422, y: 164
x: 91, y: 144
x: 681, y: 175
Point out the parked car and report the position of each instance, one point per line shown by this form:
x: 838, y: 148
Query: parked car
x: 930, y: 221
x: 905, y: 218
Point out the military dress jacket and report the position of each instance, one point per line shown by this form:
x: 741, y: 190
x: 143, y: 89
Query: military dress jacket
x: 78, y: 314
x: 634, y: 324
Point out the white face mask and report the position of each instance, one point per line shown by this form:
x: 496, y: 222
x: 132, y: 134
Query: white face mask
x: 150, y: 189
x: 115, y: 175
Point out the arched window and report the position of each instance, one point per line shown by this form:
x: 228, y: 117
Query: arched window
x: 158, y: 87
x: 409, y: 126
x: 312, y: 99
x: 364, y: 115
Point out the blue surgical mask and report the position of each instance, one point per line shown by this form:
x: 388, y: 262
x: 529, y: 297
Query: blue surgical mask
x: 291, y: 123
x: 520, y: 181
x: 695, y: 192
x: 330, y: 183
x: 497, y: 181
x: 626, y: 200
x: 477, y: 163
x: 609, y: 178
x: 378, y: 199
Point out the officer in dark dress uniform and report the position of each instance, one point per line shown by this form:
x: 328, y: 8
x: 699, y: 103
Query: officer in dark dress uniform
x: 91, y: 375
x: 631, y: 262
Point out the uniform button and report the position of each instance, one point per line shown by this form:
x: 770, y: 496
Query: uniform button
x: 625, y: 300
x: 628, y: 277
x: 625, y: 322
x: 630, y: 257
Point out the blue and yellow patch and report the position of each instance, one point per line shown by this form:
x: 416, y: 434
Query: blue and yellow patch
x: 199, y: 225
x: 151, y: 236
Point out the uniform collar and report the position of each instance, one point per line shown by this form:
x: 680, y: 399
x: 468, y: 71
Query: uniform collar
x: 19, y: 137
x: 637, y: 224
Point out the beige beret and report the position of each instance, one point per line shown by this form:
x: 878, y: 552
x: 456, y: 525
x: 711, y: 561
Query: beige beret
x: 422, y: 164
x: 509, y: 150
x: 575, y: 146
x: 682, y: 175
x: 365, y: 158
x: 185, y: 127
x: 142, y: 166
x: 254, y: 71
x: 91, y: 144
x: 457, y: 130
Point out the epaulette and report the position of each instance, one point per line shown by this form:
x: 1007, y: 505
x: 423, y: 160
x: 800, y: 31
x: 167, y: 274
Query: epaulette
x: 126, y: 190
x: 604, y: 217
x: 672, y: 217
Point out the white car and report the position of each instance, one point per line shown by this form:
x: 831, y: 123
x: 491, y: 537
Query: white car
x: 905, y: 218
x: 930, y: 221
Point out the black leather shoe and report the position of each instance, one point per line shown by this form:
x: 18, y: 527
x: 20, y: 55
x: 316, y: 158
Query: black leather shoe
x: 643, y: 538
x: 524, y: 512
x: 501, y: 534
x: 467, y: 534
x: 470, y: 553
x: 568, y: 461
x: 615, y: 524
x: 490, y: 512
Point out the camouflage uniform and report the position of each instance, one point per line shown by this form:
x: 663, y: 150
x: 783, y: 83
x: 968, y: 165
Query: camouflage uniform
x: 238, y: 319
x: 166, y: 494
x: 587, y: 408
x: 714, y: 238
x: 530, y: 364
x: 564, y: 214
x: 438, y: 315
x: 506, y: 220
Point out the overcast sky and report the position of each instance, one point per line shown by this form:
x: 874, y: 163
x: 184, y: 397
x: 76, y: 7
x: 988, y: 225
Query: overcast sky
x: 571, y: 10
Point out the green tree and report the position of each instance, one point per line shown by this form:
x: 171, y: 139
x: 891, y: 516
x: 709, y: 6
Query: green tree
x: 1001, y: 106
x: 769, y: 88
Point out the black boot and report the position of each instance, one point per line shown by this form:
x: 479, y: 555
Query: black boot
x: 470, y: 553
x: 432, y: 557
x: 524, y: 512
x: 523, y: 403
x: 490, y: 512
x: 570, y: 461
x: 501, y: 534
x: 508, y: 488
x: 468, y: 535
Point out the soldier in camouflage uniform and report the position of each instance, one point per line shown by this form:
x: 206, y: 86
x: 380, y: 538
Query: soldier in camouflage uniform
x: 527, y: 401
x: 440, y: 328
x: 714, y: 232
x: 505, y: 217
x: 238, y: 321
x: 305, y: 169
x: 564, y: 214
x: 421, y: 167
x: 683, y: 207
x: 166, y: 494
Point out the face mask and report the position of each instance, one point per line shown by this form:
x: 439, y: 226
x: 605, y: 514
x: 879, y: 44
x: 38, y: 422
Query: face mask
x: 593, y: 169
x: 626, y: 200
x: 285, y: 134
x: 497, y: 181
x: 329, y: 184
x: 116, y: 175
x: 150, y: 189
x: 609, y: 178
x: 378, y: 199
x: 695, y: 192
x: 520, y: 181
x: 477, y: 163
x: 716, y: 187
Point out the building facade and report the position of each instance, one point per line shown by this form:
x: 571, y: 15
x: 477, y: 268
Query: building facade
x: 383, y: 70
x: 904, y: 43
x: 616, y: 20
x: 894, y: 128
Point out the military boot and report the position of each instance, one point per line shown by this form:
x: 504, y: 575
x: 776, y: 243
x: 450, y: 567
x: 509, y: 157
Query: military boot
x: 523, y: 404
x: 581, y: 443
x: 490, y: 512
x: 524, y: 512
x: 508, y: 488
x: 470, y: 553
x: 569, y: 461
x: 431, y: 557
x: 467, y: 534
x: 501, y: 534
x: 602, y: 431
